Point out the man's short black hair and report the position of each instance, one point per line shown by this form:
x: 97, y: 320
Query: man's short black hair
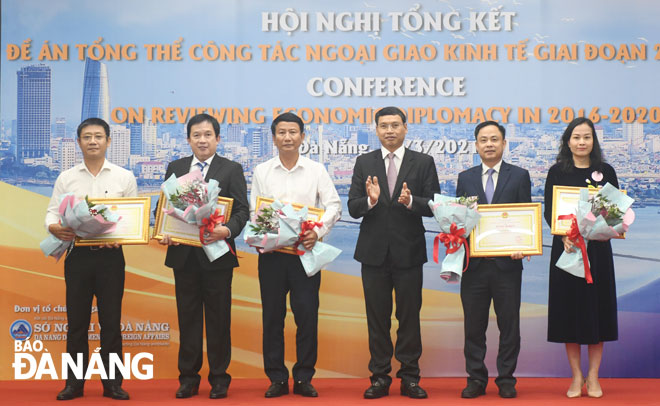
x: 486, y: 124
x: 94, y: 121
x: 200, y: 118
x: 287, y: 117
x: 390, y: 111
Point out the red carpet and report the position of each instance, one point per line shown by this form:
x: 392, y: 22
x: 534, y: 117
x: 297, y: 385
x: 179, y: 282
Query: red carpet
x: 340, y: 392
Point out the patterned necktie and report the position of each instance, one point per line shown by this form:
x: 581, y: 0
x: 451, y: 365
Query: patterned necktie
x: 391, y: 173
x: 490, y: 186
x: 201, y: 166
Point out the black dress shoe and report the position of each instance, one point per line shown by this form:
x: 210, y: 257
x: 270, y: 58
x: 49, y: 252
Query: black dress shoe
x: 115, y: 392
x: 187, y: 390
x: 378, y: 389
x: 304, y: 388
x: 508, y: 391
x: 277, y: 389
x: 473, y: 390
x: 413, y: 390
x: 70, y: 392
x: 218, y: 391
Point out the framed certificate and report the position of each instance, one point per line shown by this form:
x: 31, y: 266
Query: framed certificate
x: 313, y: 213
x: 504, y: 229
x: 565, y: 201
x: 132, y: 229
x: 179, y: 231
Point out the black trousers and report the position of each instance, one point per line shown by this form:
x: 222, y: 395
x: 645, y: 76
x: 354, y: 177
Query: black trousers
x: 280, y: 274
x: 478, y: 287
x: 90, y: 272
x: 378, y: 283
x: 203, y: 295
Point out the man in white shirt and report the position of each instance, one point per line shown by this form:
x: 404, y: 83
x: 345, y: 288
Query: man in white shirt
x: 291, y: 178
x: 92, y: 271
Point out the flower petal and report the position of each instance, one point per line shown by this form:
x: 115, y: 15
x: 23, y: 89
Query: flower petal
x: 597, y: 176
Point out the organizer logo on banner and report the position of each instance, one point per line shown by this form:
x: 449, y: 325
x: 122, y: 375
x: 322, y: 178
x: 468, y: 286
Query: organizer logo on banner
x: 20, y: 330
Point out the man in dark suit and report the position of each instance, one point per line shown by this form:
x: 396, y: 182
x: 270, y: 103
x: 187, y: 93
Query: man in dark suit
x: 497, y: 279
x: 203, y: 288
x: 392, y: 248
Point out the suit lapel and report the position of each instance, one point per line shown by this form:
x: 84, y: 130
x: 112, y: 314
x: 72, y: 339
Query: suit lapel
x: 213, y: 169
x: 184, y: 167
x: 406, y: 164
x: 502, y: 178
x: 379, y: 164
x: 475, y: 176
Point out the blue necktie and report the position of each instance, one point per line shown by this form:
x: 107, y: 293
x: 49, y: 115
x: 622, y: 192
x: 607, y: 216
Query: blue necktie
x: 490, y: 186
x: 201, y: 166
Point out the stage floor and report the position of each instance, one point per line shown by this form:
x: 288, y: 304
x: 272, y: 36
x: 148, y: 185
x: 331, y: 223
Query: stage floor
x: 340, y: 392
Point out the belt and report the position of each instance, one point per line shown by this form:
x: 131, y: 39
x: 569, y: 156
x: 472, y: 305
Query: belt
x: 95, y: 250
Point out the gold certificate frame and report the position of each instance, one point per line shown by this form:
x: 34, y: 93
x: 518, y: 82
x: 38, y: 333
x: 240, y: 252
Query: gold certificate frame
x: 313, y: 213
x: 504, y: 229
x: 565, y: 201
x: 132, y: 229
x: 179, y: 231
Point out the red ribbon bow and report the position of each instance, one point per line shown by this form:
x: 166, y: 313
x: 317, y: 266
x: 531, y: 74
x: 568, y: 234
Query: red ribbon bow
x: 208, y: 225
x: 576, y: 238
x: 304, y: 227
x: 452, y: 241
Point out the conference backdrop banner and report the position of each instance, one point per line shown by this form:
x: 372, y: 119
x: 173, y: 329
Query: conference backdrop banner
x: 146, y: 67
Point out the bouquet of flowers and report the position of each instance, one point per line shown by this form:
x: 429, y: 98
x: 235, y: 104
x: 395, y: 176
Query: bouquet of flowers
x: 195, y: 201
x: 457, y: 216
x: 271, y: 229
x: 279, y: 226
x: 319, y: 256
x: 606, y: 215
x: 84, y: 218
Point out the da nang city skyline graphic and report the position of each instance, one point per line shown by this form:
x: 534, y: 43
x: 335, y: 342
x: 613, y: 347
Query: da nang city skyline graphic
x: 36, y: 139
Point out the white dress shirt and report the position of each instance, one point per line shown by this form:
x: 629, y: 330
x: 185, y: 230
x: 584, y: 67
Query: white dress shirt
x: 307, y: 183
x: 398, y: 157
x: 484, y: 174
x: 111, y: 181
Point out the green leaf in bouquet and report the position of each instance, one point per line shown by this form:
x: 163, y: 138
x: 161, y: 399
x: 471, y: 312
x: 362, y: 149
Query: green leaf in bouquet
x: 93, y: 210
x: 468, y: 201
x: 267, y: 221
x: 602, y: 206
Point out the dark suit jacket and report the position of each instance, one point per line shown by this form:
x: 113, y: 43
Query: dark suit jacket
x: 513, y: 186
x: 229, y: 175
x: 389, y: 224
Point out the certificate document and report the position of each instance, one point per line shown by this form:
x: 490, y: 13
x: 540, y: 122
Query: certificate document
x: 504, y: 229
x: 565, y: 202
x: 180, y: 231
x: 132, y: 228
x: 313, y: 213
